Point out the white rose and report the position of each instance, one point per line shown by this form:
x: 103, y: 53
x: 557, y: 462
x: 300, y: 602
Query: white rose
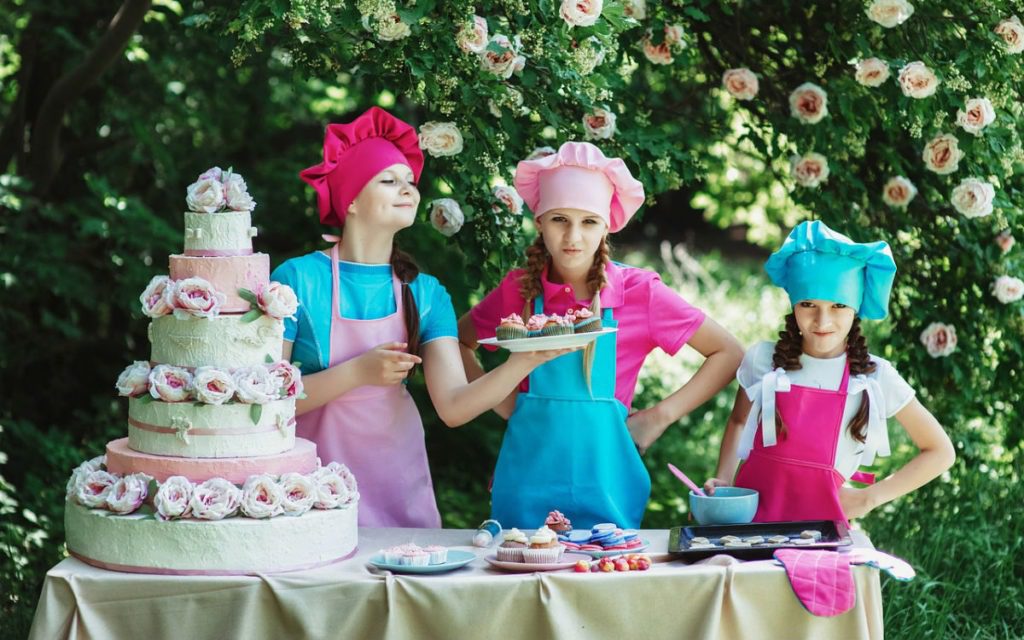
x: 387, y: 28
x: 898, y: 192
x: 298, y: 494
x: 287, y: 379
x: 939, y: 339
x: 261, y: 497
x: 81, y: 472
x: 541, y: 152
x: 890, y: 13
x: 657, y: 53
x: 636, y: 9
x: 346, y: 476
x: 1005, y: 240
x: 508, y: 197
x: 91, y: 491
x: 213, y: 173
x: 157, y: 298
x: 917, y: 80
x: 212, y: 385
x: 170, y: 383
x: 740, y: 83
x: 196, y: 298
x: 502, y: 56
x: 581, y: 13
x: 942, y: 154
x: 331, y: 491
x: 237, y: 195
x: 872, y: 72
x: 277, y: 300
x: 973, y: 197
x: 134, y: 380
x: 1012, y: 32
x: 976, y: 115
x: 599, y: 124
x: 1008, y: 289
x: 128, y: 493
x: 254, y: 385
x: 472, y: 37
x: 810, y: 170
x: 440, y: 139
x: 808, y: 103
x: 215, y: 499
x: 446, y: 216
x: 674, y: 36
x: 172, y: 499
x: 205, y: 196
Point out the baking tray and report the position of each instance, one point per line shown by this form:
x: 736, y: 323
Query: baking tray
x: 834, y: 535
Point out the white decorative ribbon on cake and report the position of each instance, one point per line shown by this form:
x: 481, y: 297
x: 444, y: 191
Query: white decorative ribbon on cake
x: 877, y: 441
x: 762, y: 399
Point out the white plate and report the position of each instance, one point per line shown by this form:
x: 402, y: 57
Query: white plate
x: 547, y: 343
x: 456, y: 559
x: 568, y: 560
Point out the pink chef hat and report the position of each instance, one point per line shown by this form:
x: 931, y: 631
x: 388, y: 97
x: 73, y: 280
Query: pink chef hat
x: 354, y: 153
x: 579, y: 176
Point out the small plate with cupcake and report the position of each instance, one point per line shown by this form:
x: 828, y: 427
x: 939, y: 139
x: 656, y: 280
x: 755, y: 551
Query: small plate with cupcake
x: 412, y: 558
x: 539, y: 552
x: 545, y: 332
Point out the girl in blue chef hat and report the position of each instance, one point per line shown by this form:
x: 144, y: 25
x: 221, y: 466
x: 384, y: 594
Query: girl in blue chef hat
x: 813, y: 405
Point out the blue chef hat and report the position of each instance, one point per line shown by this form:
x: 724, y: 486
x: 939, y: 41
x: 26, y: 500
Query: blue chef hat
x: 816, y: 263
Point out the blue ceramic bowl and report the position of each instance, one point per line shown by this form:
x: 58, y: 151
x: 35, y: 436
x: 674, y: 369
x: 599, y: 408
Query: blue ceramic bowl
x: 729, y: 505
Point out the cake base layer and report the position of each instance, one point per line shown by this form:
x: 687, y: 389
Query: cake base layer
x: 210, y: 431
x: 227, y: 275
x: 122, y: 459
x: 224, y: 341
x: 139, y: 543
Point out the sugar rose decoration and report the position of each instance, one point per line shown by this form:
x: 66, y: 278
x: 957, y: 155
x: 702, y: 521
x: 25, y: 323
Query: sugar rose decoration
x: 810, y: 170
x: 939, y: 339
x: 808, y: 103
x: 440, y: 139
x: 134, y: 380
x: 157, y: 298
x: 212, y: 385
x: 173, y: 498
x: 170, y: 384
x: 898, y: 192
x: 217, y: 190
x: 215, y: 499
x: 740, y: 83
x: 196, y: 298
x: 446, y: 216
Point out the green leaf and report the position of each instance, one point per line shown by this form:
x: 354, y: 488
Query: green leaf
x: 297, y: 364
x: 255, y: 413
x: 251, y: 315
x: 268, y: 359
x: 247, y: 295
x: 145, y: 399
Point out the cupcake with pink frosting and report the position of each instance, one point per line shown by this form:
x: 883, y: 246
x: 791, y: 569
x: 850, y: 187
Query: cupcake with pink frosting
x: 557, y: 522
x: 584, y: 321
x: 556, y: 326
x: 535, y: 324
x: 511, y: 328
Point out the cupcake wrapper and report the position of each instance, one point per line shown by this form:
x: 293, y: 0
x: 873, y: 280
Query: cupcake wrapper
x: 556, y: 330
x: 511, y: 333
x: 588, y: 325
x: 510, y: 554
x: 542, y: 556
x: 439, y: 557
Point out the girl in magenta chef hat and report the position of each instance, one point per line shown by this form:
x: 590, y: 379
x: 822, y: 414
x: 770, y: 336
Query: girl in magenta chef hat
x: 571, y: 442
x: 367, y: 316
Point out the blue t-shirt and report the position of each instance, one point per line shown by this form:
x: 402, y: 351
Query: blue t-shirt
x: 366, y: 294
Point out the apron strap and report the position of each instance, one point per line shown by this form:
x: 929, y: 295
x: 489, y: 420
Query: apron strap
x: 335, y: 283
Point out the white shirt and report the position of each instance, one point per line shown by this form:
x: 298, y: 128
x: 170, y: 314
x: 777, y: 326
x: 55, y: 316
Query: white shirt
x: 819, y: 373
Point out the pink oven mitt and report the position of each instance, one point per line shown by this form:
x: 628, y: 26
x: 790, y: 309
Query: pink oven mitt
x: 821, y: 580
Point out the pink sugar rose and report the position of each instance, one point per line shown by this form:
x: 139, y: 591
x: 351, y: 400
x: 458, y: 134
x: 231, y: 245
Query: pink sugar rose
x: 206, y: 195
x: 939, y: 339
x: 196, y: 298
x: 134, y: 380
x: 170, y: 383
x: 92, y: 490
x: 212, y: 385
x: 254, y: 385
x: 298, y: 494
x: 215, y: 499
x: 261, y: 497
x: 674, y: 35
x: 172, y: 499
x: 346, y: 476
x: 213, y: 173
x: 157, y: 298
x: 277, y: 300
x: 236, y: 193
x: 331, y: 491
x: 128, y: 493
x: 287, y: 378
x: 82, y: 472
x: 890, y: 13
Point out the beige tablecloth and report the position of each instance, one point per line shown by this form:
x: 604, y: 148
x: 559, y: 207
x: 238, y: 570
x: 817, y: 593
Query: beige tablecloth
x: 353, y: 600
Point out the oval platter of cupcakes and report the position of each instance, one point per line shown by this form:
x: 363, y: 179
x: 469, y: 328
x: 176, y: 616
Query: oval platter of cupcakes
x: 600, y: 541
x: 577, y: 328
x: 540, y: 551
x: 412, y: 558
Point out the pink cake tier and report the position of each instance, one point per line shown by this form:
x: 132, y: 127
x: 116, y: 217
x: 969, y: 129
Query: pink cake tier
x: 226, y: 274
x: 122, y: 459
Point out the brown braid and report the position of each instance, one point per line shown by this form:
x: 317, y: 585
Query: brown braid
x: 596, y: 280
x: 787, y: 356
x: 406, y: 271
x: 537, y: 258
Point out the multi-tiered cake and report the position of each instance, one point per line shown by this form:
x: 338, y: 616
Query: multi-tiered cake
x: 211, y: 478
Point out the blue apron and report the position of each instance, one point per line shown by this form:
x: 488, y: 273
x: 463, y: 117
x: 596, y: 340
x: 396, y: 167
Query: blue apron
x: 570, y: 450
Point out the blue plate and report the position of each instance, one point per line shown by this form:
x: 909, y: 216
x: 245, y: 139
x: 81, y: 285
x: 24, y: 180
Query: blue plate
x: 456, y: 559
x: 615, y: 552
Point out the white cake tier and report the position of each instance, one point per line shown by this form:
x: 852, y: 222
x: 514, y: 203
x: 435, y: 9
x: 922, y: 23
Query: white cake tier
x: 218, y: 234
x: 224, y: 341
x: 191, y: 430
x: 124, y: 460
x: 139, y: 543
x: 227, y: 275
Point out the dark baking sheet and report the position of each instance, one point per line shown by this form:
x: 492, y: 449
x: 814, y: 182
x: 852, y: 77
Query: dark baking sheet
x: 833, y: 536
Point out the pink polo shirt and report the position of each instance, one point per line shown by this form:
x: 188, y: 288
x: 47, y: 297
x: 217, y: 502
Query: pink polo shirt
x: 648, y: 312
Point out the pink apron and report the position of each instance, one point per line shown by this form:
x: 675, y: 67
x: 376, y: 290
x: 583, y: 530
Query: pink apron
x: 796, y: 478
x: 375, y: 430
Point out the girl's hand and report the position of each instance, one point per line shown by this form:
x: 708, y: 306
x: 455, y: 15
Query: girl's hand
x: 856, y: 502
x: 645, y: 427
x: 713, y: 483
x: 386, y: 364
x: 530, y: 360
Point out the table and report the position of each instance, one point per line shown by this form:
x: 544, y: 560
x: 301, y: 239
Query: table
x: 719, y: 599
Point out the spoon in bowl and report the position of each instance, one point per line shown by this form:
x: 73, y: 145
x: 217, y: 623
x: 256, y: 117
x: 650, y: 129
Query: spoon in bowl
x: 682, y: 477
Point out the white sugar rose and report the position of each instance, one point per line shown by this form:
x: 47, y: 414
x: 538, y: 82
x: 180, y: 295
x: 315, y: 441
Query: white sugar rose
x: 261, y: 497
x: 973, y: 197
x: 581, y: 13
x: 541, y: 152
x: 1005, y: 240
x: 740, y: 83
x: 215, y: 499
x: 502, y: 56
x: 298, y: 493
x: 890, y: 13
x: 277, y: 300
x: 599, y: 124
x: 81, y: 472
x: 205, y: 196
x: 917, y: 80
x: 158, y: 297
x: 236, y: 194
x: 976, y: 115
x: 346, y: 476
x: 657, y: 53
x: 196, y: 298
x: 134, y: 380
x: 93, y: 488
x: 440, y: 139
x: 872, y: 72
x: 1012, y: 32
x: 1008, y: 289
x: 287, y: 379
x: 128, y: 493
x: 172, y: 499
x: 170, y: 383
x: 810, y: 170
x: 212, y: 385
x: 898, y: 192
x: 942, y: 154
x: 939, y: 339
x: 508, y: 197
x: 331, y: 491
x: 446, y: 216
x: 254, y: 385
x: 472, y: 37
x: 808, y: 103
x: 213, y: 173
x: 636, y: 9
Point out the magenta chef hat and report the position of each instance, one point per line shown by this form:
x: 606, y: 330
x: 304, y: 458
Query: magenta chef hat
x: 354, y: 153
x: 579, y: 176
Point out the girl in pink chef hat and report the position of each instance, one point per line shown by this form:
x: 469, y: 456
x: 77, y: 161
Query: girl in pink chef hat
x: 571, y: 441
x: 367, y: 316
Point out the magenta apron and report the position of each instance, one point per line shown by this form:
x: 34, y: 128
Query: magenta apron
x: 375, y: 430
x: 796, y: 478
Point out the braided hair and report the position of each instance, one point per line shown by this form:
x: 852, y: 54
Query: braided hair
x: 406, y: 271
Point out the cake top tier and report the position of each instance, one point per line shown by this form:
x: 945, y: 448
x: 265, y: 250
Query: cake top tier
x: 218, y: 221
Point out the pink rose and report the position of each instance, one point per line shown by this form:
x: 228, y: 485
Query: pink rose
x: 890, y: 13
x: 212, y: 385
x: 205, y: 196
x: 898, y: 192
x: 172, y: 499
x: 196, y: 298
x: 346, y: 476
x: 277, y: 300
x: 128, y: 493
x: 93, y: 488
x: 581, y: 13
x: 976, y: 115
x: 939, y: 339
x: 872, y: 72
x: 81, y: 472
x: 213, y: 173
x: 810, y: 170
x: 942, y: 154
x: 1005, y: 240
x: 657, y: 53
x: 134, y: 380
x: 215, y: 499
x: 299, y: 493
x: 1008, y: 289
x: 472, y: 37
x: 446, y: 216
x: 508, y: 197
x: 287, y: 378
x: 502, y: 58
x: 1012, y: 32
x: 808, y: 103
x: 917, y: 80
x: 236, y: 193
x: 599, y: 124
x: 157, y: 299
x: 740, y: 83
x: 254, y: 385
x: 170, y: 383
x: 331, y: 491
x: 261, y: 497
